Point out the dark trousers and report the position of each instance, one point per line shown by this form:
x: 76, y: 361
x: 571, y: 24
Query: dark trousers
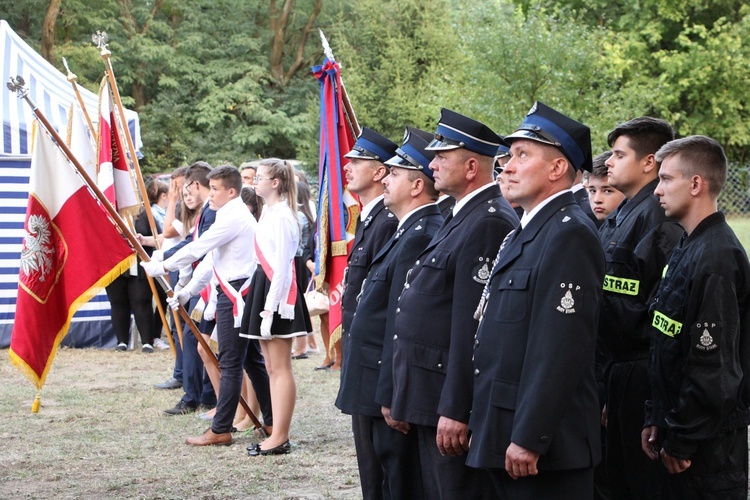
x: 131, y: 293
x: 449, y: 477
x: 399, y: 456
x: 575, y: 484
x: 718, y: 471
x: 256, y: 370
x: 232, y: 351
x: 371, y: 475
x: 177, y: 372
x: 192, y: 364
x: 630, y: 473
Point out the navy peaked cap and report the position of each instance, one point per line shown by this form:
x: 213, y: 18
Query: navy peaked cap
x: 412, y: 154
x: 548, y: 126
x: 458, y: 131
x: 372, y: 146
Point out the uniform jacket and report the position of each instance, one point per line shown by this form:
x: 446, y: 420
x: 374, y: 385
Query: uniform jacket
x: 434, y: 326
x: 367, y: 368
x: 582, y: 198
x: 371, y: 235
x: 534, y: 381
x: 700, y: 359
x: 637, y: 239
x: 446, y: 205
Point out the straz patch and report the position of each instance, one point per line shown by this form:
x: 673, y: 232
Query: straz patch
x: 666, y: 325
x: 706, y: 340
x: 481, y: 273
x: 570, y: 293
x: 623, y: 286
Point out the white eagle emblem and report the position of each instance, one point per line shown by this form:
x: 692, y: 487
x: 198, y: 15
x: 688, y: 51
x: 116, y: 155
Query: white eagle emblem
x: 38, y: 252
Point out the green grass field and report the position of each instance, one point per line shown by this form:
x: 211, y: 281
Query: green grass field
x: 741, y: 227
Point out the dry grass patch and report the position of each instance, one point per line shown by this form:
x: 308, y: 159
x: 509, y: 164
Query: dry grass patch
x: 101, y: 434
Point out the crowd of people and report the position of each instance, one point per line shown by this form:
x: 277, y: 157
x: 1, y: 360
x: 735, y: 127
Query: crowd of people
x: 520, y: 318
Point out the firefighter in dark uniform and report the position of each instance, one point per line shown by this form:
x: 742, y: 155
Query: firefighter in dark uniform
x: 364, y: 174
x: 367, y: 377
x: 637, y: 239
x: 434, y: 326
x: 700, y: 358
x: 535, y: 412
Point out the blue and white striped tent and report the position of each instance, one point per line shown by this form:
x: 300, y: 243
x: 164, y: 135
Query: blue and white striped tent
x: 53, y: 94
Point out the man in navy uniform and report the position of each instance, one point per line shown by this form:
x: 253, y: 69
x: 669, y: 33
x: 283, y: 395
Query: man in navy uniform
x: 700, y: 357
x: 637, y: 240
x: 367, y: 377
x: 434, y: 326
x: 535, y: 413
x: 364, y: 174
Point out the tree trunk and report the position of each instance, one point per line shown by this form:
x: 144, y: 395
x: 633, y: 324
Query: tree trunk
x: 48, y: 30
x: 279, y: 24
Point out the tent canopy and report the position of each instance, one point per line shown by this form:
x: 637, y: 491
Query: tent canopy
x: 48, y: 88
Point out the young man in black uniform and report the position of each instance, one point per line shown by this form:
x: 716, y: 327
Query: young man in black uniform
x: 434, y: 326
x: 637, y: 240
x: 535, y: 412
x: 367, y: 377
x: 364, y: 174
x: 700, y: 358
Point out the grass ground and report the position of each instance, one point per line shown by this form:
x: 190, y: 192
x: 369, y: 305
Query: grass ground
x: 101, y: 434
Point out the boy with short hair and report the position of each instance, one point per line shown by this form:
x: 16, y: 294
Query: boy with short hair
x: 700, y: 355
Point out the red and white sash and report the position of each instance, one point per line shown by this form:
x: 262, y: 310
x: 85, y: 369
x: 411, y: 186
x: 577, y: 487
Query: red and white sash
x: 236, y: 297
x: 291, y: 296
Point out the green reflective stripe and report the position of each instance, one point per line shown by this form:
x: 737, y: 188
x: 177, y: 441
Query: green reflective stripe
x: 666, y: 325
x: 664, y: 271
x: 624, y: 286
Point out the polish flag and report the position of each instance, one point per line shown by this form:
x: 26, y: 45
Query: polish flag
x: 114, y: 177
x: 71, y: 251
x: 80, y: 141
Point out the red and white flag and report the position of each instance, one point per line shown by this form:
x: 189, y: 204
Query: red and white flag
x: 80, y: 141
x: 71, y: 251
x: 114, y: 176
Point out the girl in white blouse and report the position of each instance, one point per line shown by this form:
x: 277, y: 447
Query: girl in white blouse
x: 274, y: 310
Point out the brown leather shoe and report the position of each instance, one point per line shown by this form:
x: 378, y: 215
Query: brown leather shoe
x: 211, y: 438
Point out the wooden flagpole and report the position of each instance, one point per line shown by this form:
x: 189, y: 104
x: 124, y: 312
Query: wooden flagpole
x: 72, y: 79
x: 18, y: 85
x: 100, y: 38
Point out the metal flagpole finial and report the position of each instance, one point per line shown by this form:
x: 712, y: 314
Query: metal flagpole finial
x: 18, y: 85
x: 100, y: 39
x: 326, y: 47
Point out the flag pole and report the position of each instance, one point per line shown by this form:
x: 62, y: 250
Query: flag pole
x: 351, y: 118
x: 17, y: 85
x: 72, y: 79
x: 100, y: 38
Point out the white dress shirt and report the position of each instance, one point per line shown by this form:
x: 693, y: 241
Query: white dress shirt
x: 278, y: 238
x: 230, y: 241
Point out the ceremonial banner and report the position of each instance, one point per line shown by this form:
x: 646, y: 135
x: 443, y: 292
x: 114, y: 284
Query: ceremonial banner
x: 338, y: 210
x: 71, y: 250
x: 79, y: 140
x: 114, y: 177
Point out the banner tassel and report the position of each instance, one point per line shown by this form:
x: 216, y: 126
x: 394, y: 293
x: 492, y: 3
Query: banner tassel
x: 37, y: 402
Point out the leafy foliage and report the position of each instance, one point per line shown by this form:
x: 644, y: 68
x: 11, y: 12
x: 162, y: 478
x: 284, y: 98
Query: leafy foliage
x: 208, y: 84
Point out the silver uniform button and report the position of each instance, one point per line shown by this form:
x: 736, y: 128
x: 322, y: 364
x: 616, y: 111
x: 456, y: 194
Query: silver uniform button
x: 476, y: 372
x: 395, y: 337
